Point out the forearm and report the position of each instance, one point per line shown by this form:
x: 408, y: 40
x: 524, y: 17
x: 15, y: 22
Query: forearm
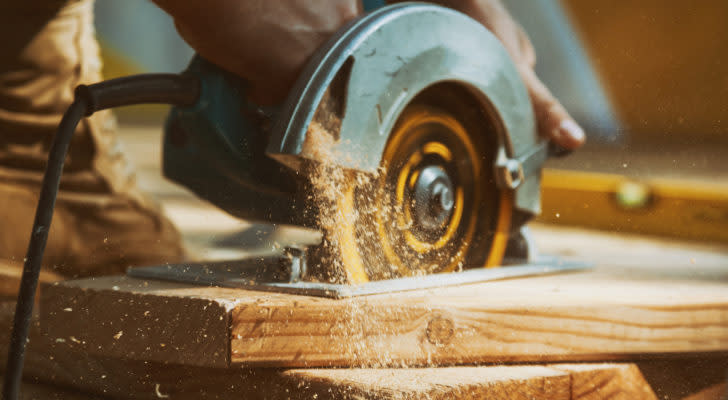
x: 265, y: 42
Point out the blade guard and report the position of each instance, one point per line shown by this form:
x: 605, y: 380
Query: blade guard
x: 373, y: 77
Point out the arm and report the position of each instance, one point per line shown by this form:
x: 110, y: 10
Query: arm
x: 265, y: 42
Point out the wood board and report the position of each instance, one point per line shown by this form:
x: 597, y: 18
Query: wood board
x: 554, y: 382
x: 54, y: 372
x: 659, y: 299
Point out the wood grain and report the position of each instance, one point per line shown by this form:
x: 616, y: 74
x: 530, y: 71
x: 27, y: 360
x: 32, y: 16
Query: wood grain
x: 606, y: 381
x: 119, y: 317
x: 497, y: 382
x: 37, y: 391
x: 608, y: 313
x: 575, y: 317
x: 83, y: 377
x: 59, y: 373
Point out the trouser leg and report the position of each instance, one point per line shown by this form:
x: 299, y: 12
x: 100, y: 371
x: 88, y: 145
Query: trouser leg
x: 103, y: 223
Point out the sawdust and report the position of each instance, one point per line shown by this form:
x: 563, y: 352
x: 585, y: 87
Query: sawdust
x: 353, y: 223
x: 362, y: 322
x: 329, y: 183
x: 356, y: 229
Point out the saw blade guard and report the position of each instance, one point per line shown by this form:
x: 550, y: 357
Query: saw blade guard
x: 356, y: 87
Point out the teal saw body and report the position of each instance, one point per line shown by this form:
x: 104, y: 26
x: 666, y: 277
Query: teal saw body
x: 423, y: 91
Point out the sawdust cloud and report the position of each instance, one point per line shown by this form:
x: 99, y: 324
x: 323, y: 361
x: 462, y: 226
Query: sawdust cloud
x: 360, y: 321
x: 331, y: 184
x: 360, y: 226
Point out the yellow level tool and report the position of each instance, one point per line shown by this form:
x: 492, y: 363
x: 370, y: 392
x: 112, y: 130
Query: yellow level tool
x: 668, y: 207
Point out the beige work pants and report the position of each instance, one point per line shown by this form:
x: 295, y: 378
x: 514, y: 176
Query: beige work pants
x: 102, y: 222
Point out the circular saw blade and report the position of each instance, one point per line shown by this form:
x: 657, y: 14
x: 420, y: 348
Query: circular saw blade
x: 434, y: 205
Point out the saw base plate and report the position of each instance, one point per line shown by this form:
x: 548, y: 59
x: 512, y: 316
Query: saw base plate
x: 251, y: 274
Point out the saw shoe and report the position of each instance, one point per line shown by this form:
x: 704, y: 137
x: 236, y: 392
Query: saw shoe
x: 102, y: 223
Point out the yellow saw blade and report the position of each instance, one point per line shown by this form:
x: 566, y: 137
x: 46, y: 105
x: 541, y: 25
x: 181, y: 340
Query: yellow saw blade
x: 434, y: 206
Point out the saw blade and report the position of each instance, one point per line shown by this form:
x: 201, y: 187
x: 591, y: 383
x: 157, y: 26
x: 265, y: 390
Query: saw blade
x: 434, y: 206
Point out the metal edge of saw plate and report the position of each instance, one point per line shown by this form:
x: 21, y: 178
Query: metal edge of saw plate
x: 198, y: 274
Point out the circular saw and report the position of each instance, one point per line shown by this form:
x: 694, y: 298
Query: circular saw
x: 408, y: 141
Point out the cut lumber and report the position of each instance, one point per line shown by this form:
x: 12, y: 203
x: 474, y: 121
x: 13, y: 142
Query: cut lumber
x: 645, y: 298
x: 648, y: 299
x: 606, y: 381
x: 37, y: 391
x: 79, y: 376
x: 715, y: 392
x: 683, y: 378
x: 497, y: 382
x: 115, y: 378
x: 598, y: 315
x: 136, y: 380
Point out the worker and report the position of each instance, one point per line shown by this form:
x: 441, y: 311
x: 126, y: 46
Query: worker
x: 103, y: 223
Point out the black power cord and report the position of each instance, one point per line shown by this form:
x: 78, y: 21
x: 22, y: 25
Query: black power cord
x: 174, y: 89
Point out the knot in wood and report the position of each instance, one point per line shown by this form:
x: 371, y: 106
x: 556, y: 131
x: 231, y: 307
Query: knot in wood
x: 440, y: 330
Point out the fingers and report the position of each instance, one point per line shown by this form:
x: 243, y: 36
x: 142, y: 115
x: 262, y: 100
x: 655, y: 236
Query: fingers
x: 554, y: 122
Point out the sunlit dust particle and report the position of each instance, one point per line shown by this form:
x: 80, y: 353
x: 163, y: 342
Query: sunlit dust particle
x: 158, y: 393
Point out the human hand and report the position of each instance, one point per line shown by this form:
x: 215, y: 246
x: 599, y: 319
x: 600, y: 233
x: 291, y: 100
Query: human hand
x: 552, y: 118
x: 264, y: 42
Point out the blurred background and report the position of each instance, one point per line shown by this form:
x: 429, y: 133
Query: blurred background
x: 648, y: 80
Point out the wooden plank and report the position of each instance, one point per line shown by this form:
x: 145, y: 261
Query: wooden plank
x: 85, y: 376
x: 89, y: 377
x: 36, y: 391
x: 133, y: 380
x: 151, y: 321
x: 613, y: 312
x: 139, y: 380
x: 577, y: 317
x: 715, y: 392
x: 682, y: 378
x: 606, y: 381
x: 497, y: 382
x: 75, y: 375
